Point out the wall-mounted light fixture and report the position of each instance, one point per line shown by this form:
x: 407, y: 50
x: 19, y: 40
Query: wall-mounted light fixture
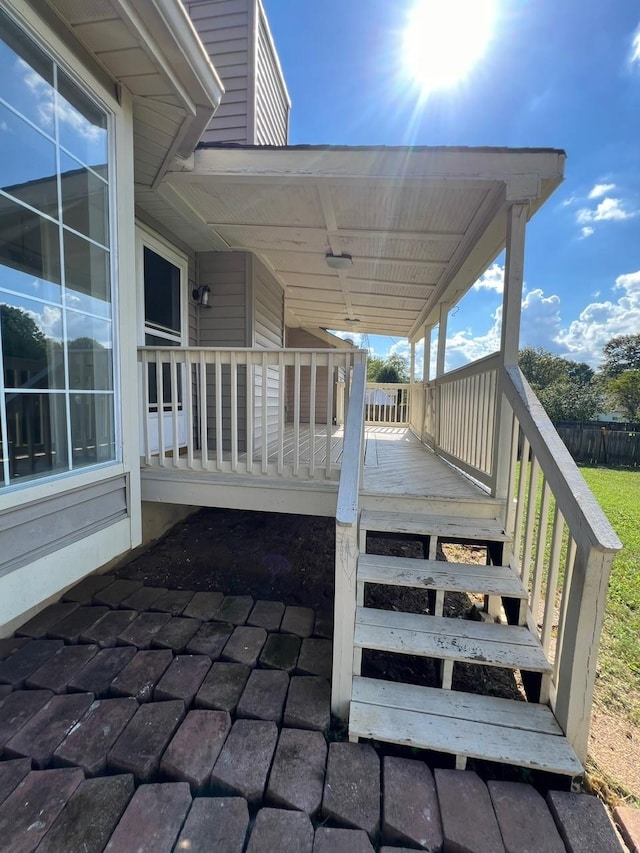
x: 201, y: 295
x: 338, y: 262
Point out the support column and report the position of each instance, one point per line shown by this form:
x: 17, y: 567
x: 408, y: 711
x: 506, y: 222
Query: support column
x: 426, y: 361
x: 412, y: 363
x: 442, y: 343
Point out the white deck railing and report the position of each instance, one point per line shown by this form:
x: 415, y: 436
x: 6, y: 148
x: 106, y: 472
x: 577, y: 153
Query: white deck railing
x: 385, y: 404
x: 249, y: 411
x: 487, y: 421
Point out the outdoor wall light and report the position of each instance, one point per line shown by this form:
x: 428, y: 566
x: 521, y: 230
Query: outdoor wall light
x: 201, y: 295
x: 338, y: 262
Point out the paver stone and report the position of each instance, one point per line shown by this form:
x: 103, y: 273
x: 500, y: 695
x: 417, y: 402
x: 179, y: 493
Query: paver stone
x: 144, y: 598
x: 114, y: 594
x: 215, y: 824
x: 11, y: 774
x: 17, y: 709
x: 30, y: 810
x: 524, y: 819
x: 88, y: 743
x: 281, y: 652
x: 203, y: 605
x: 176, y: 633
x: 152, y: 820
x: 583, y: 822
x: 264, y: 695
x: 97, y: 675
x: 174, y: 601
x: 244, y: 645
x: 140, y: 746
x: 195, y: 747
x: 72, y: 626
x: 299, y: 621
x: 141, y: 674
x: 628, y: 822
x: 462, y: 792
x: 324, y: 626
x: 308, y: 703
x: 284, y: 831
x: 83, y: 592
x: 234, y: 609
x: 297, y: 775
x: 328, y: 840
x: 410, y: 811
x: 40, y: 737
x: 210, y: 639
x: 9, y: 645
x: 23, y: 662
x: 90, y: 816
x: 315, y: 657
x: 244, y: 762
x: 267, y: 615
x: 183, y: 678
x: 352, y: 787
x: 39, y: 624
x: 105, y: 631
x: 223, y: 686
x: 142, y: 630
x: 56, y: 673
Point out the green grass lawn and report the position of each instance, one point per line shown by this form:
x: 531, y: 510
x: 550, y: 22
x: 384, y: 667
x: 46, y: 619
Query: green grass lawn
x: 618, y: 684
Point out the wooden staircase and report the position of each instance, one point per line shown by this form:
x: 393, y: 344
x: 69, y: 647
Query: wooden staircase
x: 523, y: 733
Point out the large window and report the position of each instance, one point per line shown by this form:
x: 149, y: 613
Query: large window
x: 56, y: 323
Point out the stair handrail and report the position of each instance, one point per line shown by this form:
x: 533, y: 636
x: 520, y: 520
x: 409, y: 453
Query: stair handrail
x: 569, y: 614
x: 346, y: 560
x: 580, y: 508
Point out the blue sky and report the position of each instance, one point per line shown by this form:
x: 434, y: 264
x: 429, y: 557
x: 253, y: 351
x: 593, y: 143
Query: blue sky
x: 557, y: 73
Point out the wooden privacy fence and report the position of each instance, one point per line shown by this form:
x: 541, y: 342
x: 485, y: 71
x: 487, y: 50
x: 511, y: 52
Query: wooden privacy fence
x: 599, y: 445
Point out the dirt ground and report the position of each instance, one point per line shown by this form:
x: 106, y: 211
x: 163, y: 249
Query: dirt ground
x: 291, y: 558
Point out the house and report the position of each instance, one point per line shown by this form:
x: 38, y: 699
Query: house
x: 170, y: 267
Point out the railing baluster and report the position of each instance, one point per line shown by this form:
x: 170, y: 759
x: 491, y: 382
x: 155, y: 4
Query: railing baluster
x: 329, y: 412
x: 250, y: 413
x: 219, y: 412
x: 296, y: 415
x: 265, y: 413
x: 543, y: 522
x: 160, y: 388
x: 520, y: 506
x: 530, y: 519
x: 313, y: 378
x: 564, y: 602
x: 145, y: 408
x: 234, y: 411
x: 188, y: 406
x: 281, y: 415
x: 552, y: 579
x: 173, y: 375
x: 204, y: 415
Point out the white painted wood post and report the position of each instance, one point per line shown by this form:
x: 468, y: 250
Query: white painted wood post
x: 440, y: 363
x: 344, y: 618
x: 510, y: 340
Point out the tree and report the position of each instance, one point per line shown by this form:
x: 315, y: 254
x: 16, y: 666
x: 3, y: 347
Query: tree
x: 374, y: 366
x: 620, y: 354
x: 567, y: 389
x: 625, y: 391
x: 21, y: 335
x: 392, y: 369
x: 540, y: 367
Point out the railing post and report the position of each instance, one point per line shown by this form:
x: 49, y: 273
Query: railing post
x: 587, y: 597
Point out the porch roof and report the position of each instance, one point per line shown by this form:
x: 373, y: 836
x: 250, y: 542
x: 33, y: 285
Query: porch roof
x: 420, y: 223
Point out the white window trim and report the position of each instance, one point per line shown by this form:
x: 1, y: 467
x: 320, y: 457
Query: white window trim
x: 149, y: 239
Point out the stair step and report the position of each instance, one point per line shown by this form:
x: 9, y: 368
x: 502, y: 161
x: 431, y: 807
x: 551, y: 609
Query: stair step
x: 473, y: 529
x: 434, y: 574
x: 458, y: 723
x: 444, y: 638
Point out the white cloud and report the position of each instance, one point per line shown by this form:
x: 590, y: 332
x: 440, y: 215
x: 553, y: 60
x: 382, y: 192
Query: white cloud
x: 587, y: 231
x: 635, y: 47
x: 355, y: 337
x: 609, y: 209
x: 492, y: 279
x: 601, y: 189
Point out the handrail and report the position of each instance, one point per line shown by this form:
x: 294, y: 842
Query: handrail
x: 481, y: 365
x: 347, y: 508
x: 580, y: 508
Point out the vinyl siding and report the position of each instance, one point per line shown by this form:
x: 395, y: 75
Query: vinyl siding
x: 300, y: 339
x: 37, y: 529
x: 268, y: 331
x: 272, y: 103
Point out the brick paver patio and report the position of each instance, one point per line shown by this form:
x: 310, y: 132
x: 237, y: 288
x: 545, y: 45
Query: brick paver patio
x: 143, y: 719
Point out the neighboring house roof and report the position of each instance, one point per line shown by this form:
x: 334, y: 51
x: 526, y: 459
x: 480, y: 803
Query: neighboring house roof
x: 420, y: 224
x: 151, y: 48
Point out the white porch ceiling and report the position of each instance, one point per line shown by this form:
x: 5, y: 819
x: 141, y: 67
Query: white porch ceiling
x: 421, y: 224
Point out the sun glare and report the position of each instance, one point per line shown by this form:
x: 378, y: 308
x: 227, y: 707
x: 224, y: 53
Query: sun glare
x: 444, y: 39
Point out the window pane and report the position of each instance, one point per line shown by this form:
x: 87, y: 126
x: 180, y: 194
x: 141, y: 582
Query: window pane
x: 81, y: 124
x: 92, y: 429
x: 26, y: 75
x: 27, y: 163
x: 90, y: 356
x: 28, y: 242
x: 87, y: 276
x: 85, y: 201
x: 161, y: 292
x: 37, y: 434
x: 31, y: 344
